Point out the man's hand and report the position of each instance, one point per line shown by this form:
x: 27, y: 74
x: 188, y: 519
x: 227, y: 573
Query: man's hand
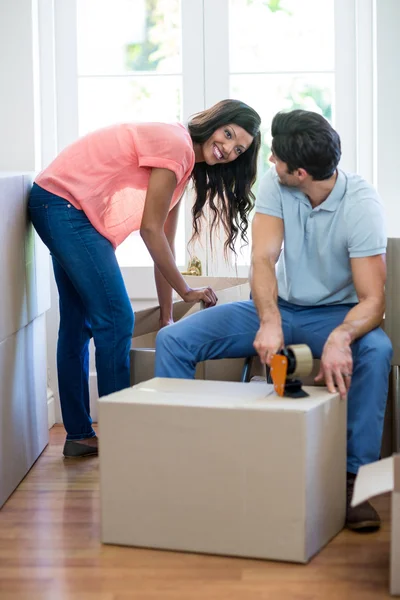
x: 337, y: 363
x: 268, y: 341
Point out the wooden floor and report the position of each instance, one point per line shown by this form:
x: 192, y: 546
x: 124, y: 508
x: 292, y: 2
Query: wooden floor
x: 50, y: 550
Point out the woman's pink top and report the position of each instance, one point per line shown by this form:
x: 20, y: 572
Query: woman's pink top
x: 106, y: 173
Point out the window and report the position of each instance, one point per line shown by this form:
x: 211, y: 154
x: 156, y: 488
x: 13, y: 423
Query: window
x: 287, y: 62
x: 167, y: 59
x: 129, y: 59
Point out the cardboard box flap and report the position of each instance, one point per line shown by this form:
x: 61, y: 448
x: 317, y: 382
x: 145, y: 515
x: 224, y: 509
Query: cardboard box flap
x: 231, y: 289
x: 217, y: 283
x: 230, y: 395
x: 374, y: 479
x: 147, y: 320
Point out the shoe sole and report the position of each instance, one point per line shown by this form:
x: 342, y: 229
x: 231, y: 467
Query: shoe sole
x: 367, y: 525
x: 76, y: 450
x: 86, y: 455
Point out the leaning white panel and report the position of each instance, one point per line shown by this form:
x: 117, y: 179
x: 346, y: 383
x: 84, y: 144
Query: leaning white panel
x: 23, y: 403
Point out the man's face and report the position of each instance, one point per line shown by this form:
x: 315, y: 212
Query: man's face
x: 285, y: 178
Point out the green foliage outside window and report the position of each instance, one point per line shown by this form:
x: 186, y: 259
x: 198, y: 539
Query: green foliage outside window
x: 160, y: 44
x: 161, y: 37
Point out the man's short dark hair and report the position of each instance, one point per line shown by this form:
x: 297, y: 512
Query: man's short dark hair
x: 304, y: 139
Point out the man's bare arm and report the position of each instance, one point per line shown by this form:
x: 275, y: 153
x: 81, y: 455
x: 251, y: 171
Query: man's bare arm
x: 267, y: 238
x: 369, y: 276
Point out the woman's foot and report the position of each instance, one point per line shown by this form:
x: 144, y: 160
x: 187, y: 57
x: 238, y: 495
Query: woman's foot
x: 81, y: 448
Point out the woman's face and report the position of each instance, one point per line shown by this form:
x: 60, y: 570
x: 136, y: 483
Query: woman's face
x: 226, y: 144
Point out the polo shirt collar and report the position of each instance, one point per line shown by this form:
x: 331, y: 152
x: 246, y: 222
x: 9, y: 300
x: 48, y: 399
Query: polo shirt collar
x: 335, y: 197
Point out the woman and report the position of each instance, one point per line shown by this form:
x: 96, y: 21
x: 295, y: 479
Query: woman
x: 106, y: 185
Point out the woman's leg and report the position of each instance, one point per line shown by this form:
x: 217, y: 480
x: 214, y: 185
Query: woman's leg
x: 73, y: 358
x: 85, y: 262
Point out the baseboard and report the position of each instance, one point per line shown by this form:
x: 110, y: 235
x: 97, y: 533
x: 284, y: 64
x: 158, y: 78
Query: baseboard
x: 51, y: 408
x: 94, y: 396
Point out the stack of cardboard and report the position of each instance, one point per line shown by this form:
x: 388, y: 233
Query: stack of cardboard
x: 25, y: 297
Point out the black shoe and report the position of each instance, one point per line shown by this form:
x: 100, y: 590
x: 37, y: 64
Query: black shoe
x: 362, y: 518
x: 80, y: 449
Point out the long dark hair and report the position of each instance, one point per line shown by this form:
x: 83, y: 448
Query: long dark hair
x: 226, y: 187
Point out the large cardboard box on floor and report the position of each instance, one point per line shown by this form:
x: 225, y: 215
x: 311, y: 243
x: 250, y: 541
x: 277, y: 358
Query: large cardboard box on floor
x: 142, y: 356
x: 378, y: 478
x: 223, y: 468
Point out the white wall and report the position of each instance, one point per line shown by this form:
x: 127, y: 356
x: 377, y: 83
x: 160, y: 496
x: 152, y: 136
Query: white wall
x: 27, y: 84
x: 388, y: 109
x: 27, y: 91
x: 19, y: 101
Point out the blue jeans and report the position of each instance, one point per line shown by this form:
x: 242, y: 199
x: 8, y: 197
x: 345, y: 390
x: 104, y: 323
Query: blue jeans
x: 93, y: 303
x: 228, y: 331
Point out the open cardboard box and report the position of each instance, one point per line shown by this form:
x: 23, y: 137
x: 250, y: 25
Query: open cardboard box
x: 379, y: 478
x: 228, y: 289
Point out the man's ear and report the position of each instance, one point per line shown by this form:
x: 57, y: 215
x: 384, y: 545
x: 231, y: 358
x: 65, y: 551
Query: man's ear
x: 302, y: 174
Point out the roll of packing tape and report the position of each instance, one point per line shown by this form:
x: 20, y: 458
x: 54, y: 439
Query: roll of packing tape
x: 303, y: 360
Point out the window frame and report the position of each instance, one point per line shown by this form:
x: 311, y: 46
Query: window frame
x: 205, y: 80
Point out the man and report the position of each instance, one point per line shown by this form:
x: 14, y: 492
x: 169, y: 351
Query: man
x: 325, y: 228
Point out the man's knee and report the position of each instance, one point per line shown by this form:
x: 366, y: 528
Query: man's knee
x: 162, y: 338
x: 169, y: 336
x: 378, y: 346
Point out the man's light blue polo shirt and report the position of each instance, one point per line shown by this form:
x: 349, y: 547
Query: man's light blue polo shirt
x: 314, y: 265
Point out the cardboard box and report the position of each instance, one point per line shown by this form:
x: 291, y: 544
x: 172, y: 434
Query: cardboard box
x: 378, y: 478
x: 392, y: 290
x: 24, y: 260
x: 25, y: 296
x: 228, y: 289
x: 24, y: 431
x: 223, y: 468
x: 142, y: 361
x: 142, y: 356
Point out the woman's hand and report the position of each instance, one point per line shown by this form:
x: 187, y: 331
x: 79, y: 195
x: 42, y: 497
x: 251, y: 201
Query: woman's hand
x: 165, y: 322
x: 205, y: 294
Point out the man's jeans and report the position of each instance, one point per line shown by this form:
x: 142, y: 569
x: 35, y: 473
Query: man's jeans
x: 228, y: 331
x: 93, y: 303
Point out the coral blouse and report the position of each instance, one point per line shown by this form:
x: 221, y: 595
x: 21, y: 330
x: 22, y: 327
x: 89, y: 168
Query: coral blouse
x: 106, y: 173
